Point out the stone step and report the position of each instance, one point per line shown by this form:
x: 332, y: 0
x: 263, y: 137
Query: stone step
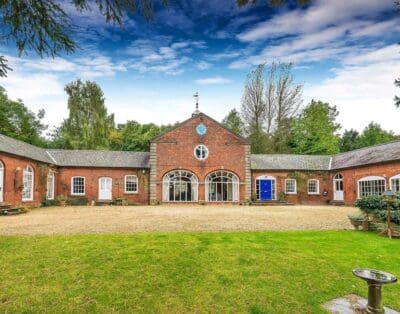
x: 4, y: 206
x: 11, y: 211
x: 271, y: 203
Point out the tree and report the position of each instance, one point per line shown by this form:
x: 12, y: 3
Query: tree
x: 397, y: 98
x: 45, y: 28
x: 88, y: 125
x: 133, y: 136
x: 233, y: 122
x: 373, y: 134
x: 314, y: 131
x: 349, y: 140
x: 18, y: 122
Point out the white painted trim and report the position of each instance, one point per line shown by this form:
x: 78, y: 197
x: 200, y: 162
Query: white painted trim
x: 267, y: 177
x: 205, y: 148
x: 369, y: 178
x: 2, y: 175
x: 137, y: 184
x: 32, y: 185
x: 397, y: 176
x: 98, y: 189
x: 51, y: 173
x: 84, y: 186
x: 295, y: 186
x: 308, y: 187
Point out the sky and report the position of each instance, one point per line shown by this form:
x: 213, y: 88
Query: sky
x: 345, y: 53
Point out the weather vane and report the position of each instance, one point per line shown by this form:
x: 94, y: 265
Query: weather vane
x: 196, y: 96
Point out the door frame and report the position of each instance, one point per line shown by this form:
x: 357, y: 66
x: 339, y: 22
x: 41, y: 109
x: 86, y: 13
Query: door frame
x: 99, y: 189
x: 334, y: 181
x: 273, y: 186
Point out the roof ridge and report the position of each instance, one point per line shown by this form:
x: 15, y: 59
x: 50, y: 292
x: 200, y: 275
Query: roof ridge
x: 367, y: 147
x: 307, y: 155
x: 96, y: 150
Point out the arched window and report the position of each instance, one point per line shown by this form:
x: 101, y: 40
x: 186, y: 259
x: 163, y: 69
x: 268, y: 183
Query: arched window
x: 28, y: 177
x: 395, y: 183
x: 372, y: 185
x: 180, y: 186
x: 222, y: 186
x: 1, y: 182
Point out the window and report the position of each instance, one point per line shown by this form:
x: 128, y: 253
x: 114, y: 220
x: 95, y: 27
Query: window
x: 78, y: 186
x: 50, y: 186
x: 313, y: 186
x: 180, y: 186
x: 201, y: 152
x: 372, y: 185
x: 131, y: 184
x: 395, y: 183
x: 222, y: 186
x: 27, y: 182
x: 290, y: 186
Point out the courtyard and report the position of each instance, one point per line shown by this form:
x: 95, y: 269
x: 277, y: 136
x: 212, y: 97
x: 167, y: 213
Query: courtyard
x: 175, y: 218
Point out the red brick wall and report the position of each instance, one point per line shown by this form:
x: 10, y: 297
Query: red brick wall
x: 302, y: 196
x: 92, y: 176
x: 351, y: 176
x: 175, y: 150
x: 12, y: 186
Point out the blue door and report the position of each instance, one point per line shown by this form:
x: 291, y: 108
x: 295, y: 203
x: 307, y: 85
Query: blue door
x: 266, y: 190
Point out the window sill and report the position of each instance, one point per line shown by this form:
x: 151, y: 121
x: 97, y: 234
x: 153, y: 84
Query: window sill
x: 291, y: 193
x: 314, y: 194
x: 78, y: 194
x: 130, y: 193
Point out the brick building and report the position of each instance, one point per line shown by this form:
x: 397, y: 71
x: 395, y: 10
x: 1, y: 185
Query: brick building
x: 197, y: 161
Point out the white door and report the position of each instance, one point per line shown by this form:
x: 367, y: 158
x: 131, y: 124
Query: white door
x: 1, y: 182
x: 50, y: 186
x: 105, y: 187
x: 338, y: 194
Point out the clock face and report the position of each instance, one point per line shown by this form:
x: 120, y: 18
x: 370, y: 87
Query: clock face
x: 201, y: 129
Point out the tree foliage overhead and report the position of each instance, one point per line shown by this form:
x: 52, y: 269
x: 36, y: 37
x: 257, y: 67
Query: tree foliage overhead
x: 373, y: 134
x: 45, y: 28
x: 349, y: 140
x: 18, y: 122
x: 88, y: 124
x: 233, y: 122
x: 314, y: 132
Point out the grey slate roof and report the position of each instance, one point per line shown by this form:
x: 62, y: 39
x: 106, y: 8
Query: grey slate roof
x: 369, y: 155
x: 289, y: 162
x: 75, y: 158
x: 19, y: 148
x: 95, y: 158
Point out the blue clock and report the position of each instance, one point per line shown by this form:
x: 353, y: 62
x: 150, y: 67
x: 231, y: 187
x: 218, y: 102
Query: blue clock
x: 201, y: 129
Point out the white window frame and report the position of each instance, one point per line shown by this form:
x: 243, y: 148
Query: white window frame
x: 396, y: 177
x: 273, y: 186
x: 50, y: 196
x: 137, y: 184
x: 370, y: 178
x: 308, y: 187
x: 202, y: 148
x: 84, y: 186
x: 295, y: 186
x: 32, y: 187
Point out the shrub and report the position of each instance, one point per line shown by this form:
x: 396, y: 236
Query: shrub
x: 49, y: 203
x: 377, y: 207
x: 77, y: 201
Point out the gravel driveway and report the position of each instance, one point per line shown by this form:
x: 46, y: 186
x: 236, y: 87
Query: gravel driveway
x: 116, y: 219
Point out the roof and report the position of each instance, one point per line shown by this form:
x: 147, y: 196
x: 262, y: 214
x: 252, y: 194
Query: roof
x: 289, y: 162
x: 368, y: 155
x: 75, y: 158
x: 19, y: 148
x: 194, y: 116
x: 100, y: 159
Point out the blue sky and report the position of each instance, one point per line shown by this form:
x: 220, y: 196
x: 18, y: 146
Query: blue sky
x: 344, y: 52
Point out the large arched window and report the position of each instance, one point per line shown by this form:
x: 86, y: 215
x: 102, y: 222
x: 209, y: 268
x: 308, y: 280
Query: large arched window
x: 1, y: 182
x: 372, y: 185
x: 222, y: 186
x: 28, y: 177
x: 180, y: 186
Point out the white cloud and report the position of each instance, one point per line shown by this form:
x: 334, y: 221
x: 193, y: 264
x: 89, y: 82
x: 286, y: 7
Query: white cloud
x: 213, y: 80
x: 363, y: 89
x: 203, y: 65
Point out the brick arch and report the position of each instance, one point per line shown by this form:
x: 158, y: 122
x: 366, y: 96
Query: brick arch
x: 217, y: 190
x: 185, y: 186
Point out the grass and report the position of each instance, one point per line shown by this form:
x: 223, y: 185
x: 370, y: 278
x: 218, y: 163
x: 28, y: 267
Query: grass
x: 265, y: 272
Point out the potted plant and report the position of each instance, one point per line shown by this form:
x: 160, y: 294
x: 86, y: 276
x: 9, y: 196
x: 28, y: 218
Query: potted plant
x: 62, y: 200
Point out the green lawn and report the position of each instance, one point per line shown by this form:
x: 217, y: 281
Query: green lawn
x: 268, y: 272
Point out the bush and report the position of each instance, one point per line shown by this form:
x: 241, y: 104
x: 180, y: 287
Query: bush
x: 49, y: 203
x: 377, y: 207
x: 77, y: 201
